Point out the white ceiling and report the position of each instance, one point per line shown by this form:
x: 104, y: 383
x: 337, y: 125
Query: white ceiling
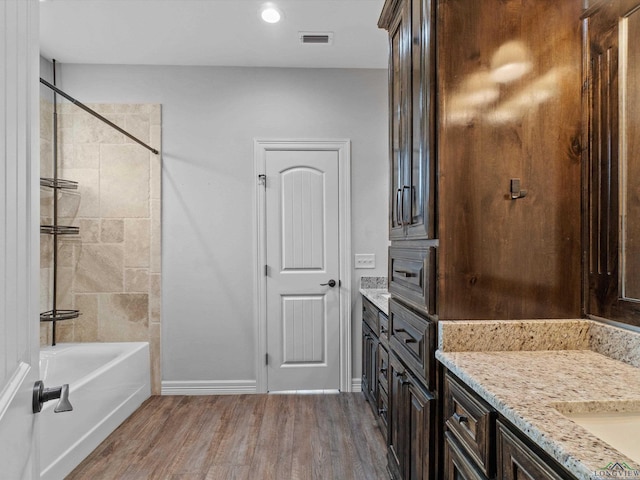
x: 212, y: 32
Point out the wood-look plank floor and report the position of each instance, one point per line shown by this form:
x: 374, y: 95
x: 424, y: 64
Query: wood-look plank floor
x: 242, y: 437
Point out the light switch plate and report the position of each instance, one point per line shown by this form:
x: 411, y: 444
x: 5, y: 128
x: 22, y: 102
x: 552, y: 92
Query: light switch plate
x: 365, y: 260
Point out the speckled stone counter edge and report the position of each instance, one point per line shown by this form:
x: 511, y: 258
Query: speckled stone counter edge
x: 533, y: 335
x: 373, y: 282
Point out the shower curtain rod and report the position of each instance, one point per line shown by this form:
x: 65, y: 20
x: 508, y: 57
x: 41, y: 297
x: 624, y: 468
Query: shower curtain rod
x: 96, y: 114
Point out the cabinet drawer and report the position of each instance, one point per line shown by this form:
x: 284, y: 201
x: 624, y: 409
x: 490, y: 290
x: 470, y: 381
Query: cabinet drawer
x: 456, y: 464
x: 471, y: 421
x: 370, y: 315
x: 412, y: 337
x: 383, y: 324
x: 412, y: 275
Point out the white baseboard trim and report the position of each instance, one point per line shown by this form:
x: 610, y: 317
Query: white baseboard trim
x: 356, y: 384
x: 208, y: 387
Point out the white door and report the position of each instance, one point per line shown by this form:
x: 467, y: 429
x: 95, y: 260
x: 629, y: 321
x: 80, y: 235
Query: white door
x: 303, y: 259
x: 19, y: 241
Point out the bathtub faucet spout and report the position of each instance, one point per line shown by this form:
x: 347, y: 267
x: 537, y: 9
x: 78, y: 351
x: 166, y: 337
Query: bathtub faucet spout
x: 42, y: 395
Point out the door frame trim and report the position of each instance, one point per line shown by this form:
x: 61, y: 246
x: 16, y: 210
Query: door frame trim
x: 343, y: 148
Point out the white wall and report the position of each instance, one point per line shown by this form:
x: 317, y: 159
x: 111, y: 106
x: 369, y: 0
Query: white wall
x: 210, y: 116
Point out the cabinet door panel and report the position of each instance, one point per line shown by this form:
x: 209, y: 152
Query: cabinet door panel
x: 420, y: 447
x: 516, y: 461
x: 369, y: 365
x: 419, y: 189
x: 456, y: 464
x: 397, y: 412
x: 398, y: 108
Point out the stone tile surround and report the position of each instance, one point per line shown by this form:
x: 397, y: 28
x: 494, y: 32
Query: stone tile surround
x: 111, y: 272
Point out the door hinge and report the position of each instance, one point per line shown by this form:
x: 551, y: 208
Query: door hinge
x: 266, y: 359
x: 262, y: 180
x: 266, y: 270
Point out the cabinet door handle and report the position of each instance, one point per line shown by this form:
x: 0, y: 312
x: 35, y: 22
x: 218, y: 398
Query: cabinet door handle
x: 402, y: 217
x: 405, y: 273
x: 398, y: 374
x: 405, y: 221
x: 399, y: 220
x: 460, y: 418
x: 382, y: 411
x: 383, y: 370
x: 383, y: 330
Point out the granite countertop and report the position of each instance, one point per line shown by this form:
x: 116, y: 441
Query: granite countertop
x: 375, y: 290
x: 547, y: 370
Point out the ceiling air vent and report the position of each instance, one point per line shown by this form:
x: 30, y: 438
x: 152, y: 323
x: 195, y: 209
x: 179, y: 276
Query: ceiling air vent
x: 316, y: 38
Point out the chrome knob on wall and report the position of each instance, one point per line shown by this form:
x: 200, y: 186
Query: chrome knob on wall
x: 42, y: 395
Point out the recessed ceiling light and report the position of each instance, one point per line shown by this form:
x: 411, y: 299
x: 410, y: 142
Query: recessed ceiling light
x: 270, y: 13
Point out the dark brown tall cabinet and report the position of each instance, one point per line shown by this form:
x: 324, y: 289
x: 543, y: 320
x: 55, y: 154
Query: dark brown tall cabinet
x: 413, y: 232
x: 485, y: 146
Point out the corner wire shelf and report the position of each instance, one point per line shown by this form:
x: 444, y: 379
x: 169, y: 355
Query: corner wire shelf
x: 56, y: 315
x: 59, y: 230
x: 58, y: 183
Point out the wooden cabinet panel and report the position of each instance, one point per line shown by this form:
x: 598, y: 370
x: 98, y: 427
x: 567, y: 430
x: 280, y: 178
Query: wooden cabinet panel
x: 370, y: 315
x: 397, y: 415
x: 369, y: 365
x: 412, y: 338
x: 412, y: 118
x: 383, y: 325
x: 412, y: 419
x: 412, y: 275
x: 420, y: 447
x: 399, y: 46
x: 603, y: 205
x: 500, y: 258
x: 518, y: 461
x: 471, y: 421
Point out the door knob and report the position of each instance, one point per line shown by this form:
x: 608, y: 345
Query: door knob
x: 331, y: 283
x: 42, y: 395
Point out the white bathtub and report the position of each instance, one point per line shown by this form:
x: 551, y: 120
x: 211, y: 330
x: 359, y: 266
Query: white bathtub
x: 107, y: 383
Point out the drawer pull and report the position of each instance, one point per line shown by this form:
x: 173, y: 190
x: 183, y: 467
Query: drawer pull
x: 399, y: 330
x: 405, y: 273
x: 460, y: 418
x: 409, y: 340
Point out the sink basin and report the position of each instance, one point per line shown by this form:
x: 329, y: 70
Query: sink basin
x: 618, y: 429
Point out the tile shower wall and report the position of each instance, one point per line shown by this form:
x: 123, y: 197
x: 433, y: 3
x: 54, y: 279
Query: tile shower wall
x: 111, y: 271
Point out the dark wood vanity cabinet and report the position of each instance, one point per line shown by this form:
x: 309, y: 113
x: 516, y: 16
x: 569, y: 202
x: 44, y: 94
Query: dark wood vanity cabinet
x: 412, y: 396
x: 463, y: 133
x: 481, y: 445
x: 375, y: 362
